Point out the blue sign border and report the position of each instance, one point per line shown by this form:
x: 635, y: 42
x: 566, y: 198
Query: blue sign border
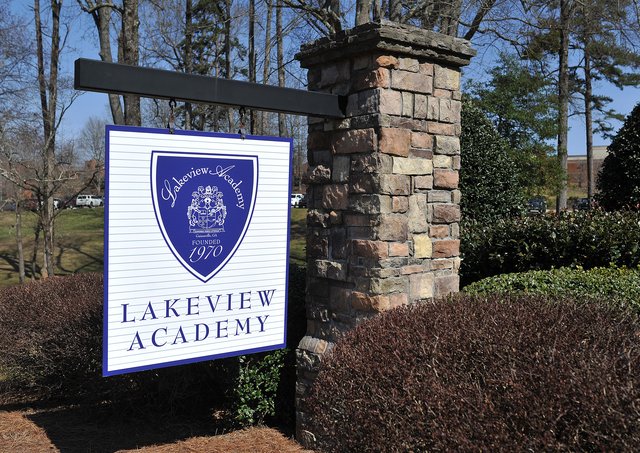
x: 105, y: 334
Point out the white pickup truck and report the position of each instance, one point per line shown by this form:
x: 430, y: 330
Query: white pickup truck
x: 88, y: 201
x: 295, y: 199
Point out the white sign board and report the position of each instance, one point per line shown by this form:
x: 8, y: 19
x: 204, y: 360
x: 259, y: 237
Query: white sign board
x: 196, y: 247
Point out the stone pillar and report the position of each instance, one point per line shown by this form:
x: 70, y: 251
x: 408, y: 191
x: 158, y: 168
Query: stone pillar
x: 383, y: 198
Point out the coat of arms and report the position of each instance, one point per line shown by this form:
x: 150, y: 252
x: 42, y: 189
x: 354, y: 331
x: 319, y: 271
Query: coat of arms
x: 217, y: 194
x: 207, y: 211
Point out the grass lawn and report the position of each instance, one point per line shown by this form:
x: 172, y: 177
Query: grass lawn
x: 79, y: 242
x: 298, y: 244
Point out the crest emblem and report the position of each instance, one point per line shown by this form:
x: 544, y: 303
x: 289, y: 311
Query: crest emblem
x: 203, y: 205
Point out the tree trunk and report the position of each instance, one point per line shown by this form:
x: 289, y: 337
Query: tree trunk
x: 227, y: 56
x: 188, y: 56
x: 34, y: 256
x: 362, y: 11
x: 19, y: 243
x: 101, y: 16
x: 395, y: 10
x: 588, y: 97
x: 48, y: 103
x: 130, y: 54
x: 563, y: 100
x: 252, y: 58
x: 449, y: 17
x: 377, y: 11
x: 267, y: 62
x: 334, y: 15
x: 282, y: 127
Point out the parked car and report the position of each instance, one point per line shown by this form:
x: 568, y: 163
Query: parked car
x: 302, y: 202
x: 8, y: 206
x: 581, y: 204
x: 295, y: 199
x: 537, y: 205
x: 89, y: 201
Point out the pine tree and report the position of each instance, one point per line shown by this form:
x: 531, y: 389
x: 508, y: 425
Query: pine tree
x: 521, y: 104
x: 603, y: 32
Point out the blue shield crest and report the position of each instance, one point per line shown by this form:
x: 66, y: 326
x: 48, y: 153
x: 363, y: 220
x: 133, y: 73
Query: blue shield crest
x: 203, y: 204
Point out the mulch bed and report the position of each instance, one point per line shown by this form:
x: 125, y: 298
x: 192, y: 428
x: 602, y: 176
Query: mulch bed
x: 252, y: 440
x: 71, y: 429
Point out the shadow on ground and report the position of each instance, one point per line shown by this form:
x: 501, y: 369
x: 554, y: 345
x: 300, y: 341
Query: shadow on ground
x: 14, y: 266
x: 103, y: 429
x: 86, y: 263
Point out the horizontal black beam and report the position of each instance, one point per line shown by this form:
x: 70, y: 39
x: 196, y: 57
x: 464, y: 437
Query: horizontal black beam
x: 92, y: 75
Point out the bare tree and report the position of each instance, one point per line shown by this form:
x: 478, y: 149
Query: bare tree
x: 22, y: 164
x: 14, y: 90
x: 266, y: 67
x: 280, y: 62
x: 92, y: 142
x: 48, y: 90
x: 323, y: 16
x: 252, y: 59
x: 12, y: 194
x: 128, y: 45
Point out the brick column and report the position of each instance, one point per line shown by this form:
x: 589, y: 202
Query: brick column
x: 383, y: 198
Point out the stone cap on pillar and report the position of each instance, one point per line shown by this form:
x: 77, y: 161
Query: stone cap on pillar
x: 387, y: 36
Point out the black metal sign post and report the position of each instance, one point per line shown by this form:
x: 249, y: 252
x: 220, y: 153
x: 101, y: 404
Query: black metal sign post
x: 92, y: 75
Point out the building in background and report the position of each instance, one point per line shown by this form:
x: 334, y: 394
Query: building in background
x: 577, y: 167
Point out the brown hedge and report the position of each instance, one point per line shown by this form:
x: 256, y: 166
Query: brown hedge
x: 483, y: 374
x: 52, y: 333
x: 51, y: 348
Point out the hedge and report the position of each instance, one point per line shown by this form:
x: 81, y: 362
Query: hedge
x: 587, y: 239
x: 483, y: 374
x: 614, y: 285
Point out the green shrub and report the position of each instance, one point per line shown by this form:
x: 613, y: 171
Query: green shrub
x: 254, y: 395
x: 264, y: 384
x: 587, y: 239
x: 619, y: 177
x: 488, y: 175
x: 483, y: 374
x: 615, y: 285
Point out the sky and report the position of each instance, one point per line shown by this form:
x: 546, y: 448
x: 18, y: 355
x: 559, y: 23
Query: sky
x: 83, y: 43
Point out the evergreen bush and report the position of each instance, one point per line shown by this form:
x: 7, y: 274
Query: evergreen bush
x: 488, y: 174
x: 588, y: 239
x: 483, y: 374
x: 620, y: 286
x: 619, y: 178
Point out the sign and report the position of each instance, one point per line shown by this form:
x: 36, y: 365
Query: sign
x: 196, y: 247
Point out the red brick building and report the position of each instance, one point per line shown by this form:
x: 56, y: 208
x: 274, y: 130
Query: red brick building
x: 577, y: 167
